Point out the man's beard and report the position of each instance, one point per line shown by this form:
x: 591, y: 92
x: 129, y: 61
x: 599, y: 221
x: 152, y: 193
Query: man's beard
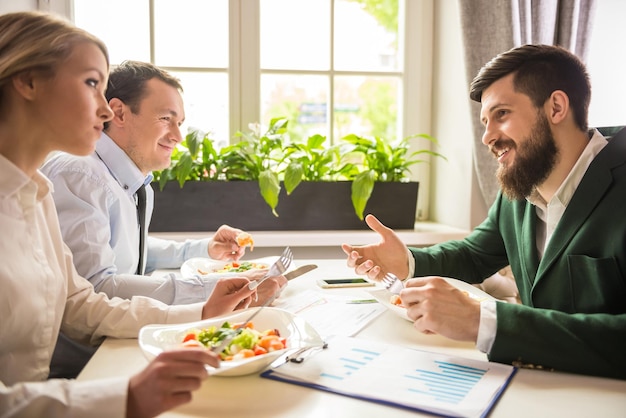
x: 534, y: 160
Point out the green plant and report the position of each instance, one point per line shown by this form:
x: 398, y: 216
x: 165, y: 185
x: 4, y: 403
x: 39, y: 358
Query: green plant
x: 270, y: 158
x: 383, y: 162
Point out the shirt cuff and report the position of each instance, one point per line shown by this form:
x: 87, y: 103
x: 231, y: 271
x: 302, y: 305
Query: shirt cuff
x: 100, y: 397
x: 487, y: 326
x: 411, y: 264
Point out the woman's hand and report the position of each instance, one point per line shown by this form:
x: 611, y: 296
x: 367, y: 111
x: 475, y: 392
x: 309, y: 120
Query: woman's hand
x: 229, y: 294
x: 168, y: 381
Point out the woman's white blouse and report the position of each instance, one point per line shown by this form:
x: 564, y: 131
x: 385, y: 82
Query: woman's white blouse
x: 41, y: 293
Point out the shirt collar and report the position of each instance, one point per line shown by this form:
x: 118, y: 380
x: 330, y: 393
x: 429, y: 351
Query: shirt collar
x: 12, y: 180
x: 566, y: 190
x: 121, y: 167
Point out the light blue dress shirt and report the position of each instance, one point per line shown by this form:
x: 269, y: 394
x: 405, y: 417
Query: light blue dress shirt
x: 95, y: 199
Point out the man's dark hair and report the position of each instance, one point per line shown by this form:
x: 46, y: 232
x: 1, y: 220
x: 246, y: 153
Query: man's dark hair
x: 127, y: 82
x: 538, y: 71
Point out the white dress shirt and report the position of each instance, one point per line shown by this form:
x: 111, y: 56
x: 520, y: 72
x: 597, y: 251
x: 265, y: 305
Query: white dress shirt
x: 95, y: 199
x: 43, y: 294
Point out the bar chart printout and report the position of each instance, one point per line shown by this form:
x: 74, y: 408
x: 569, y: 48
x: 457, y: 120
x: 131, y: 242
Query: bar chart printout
x: 392, y: 375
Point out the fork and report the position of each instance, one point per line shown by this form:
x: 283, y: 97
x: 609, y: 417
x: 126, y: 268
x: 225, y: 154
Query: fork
x: 279, y: 267
x: 392, y: 283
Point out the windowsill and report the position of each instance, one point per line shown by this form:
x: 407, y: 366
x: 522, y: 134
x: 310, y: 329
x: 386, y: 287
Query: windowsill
x: 424, y: 234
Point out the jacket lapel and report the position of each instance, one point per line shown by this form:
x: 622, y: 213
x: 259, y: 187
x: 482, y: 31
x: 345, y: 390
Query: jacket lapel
x: 593, y: 186
x: 528, y: 247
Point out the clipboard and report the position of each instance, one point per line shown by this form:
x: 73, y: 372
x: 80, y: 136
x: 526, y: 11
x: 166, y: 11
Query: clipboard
x: 400, y: 377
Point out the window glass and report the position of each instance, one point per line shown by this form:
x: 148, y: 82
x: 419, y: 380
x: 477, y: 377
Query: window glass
x: 301, y: 73
x: 206, y: 103
x: 302, y: 99
x: 366, y: 39
x: 366, y: 106
x: 191, y: 33
x: 295, y: 34
x: 103, y: 18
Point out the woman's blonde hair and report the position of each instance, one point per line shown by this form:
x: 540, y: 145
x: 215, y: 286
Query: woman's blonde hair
x: 38, y: 41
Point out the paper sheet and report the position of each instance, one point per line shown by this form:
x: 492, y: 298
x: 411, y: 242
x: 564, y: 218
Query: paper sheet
x: 383, y: 373
x: 321, y: 310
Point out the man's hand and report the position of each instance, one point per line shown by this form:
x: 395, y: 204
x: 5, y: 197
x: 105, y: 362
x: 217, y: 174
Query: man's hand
x: 437, y: 307
x: 375, y: 260
x: 223, y: 245
x: 229, y: 294
x: 168, y: 381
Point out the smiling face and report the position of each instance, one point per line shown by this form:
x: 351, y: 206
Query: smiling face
x: 150, y: 135
x: 71, y: 106
x: 519, y: 136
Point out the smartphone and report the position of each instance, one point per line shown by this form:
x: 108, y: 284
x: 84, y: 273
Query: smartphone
x: 348, y: 282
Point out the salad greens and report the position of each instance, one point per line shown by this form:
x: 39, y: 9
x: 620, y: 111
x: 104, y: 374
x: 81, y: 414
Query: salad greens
x: 247, y: 341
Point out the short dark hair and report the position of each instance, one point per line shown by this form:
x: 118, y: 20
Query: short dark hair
x: 538, y: 71
x: 127, y: 82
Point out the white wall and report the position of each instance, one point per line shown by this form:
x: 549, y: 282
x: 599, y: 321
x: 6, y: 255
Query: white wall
x: 7, y: 6
x: 455, y: 197
x: 61, y: 7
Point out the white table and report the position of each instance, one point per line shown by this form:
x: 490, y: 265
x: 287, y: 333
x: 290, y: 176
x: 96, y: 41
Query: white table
x: 531, y: 393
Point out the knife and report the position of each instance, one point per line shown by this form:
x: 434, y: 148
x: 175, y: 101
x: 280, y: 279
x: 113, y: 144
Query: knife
x: 300, y: 271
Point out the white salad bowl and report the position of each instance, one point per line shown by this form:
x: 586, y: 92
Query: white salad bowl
x: 153, y: 339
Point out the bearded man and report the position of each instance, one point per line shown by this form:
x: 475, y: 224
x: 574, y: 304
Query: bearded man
x: 558, y: 222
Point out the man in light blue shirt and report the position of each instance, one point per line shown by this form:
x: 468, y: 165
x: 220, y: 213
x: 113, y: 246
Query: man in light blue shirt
x: 96, y: 196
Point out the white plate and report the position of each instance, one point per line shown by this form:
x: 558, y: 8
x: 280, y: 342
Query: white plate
x: 383, y: 296
x: 153, y: 339
x: 195, y: 266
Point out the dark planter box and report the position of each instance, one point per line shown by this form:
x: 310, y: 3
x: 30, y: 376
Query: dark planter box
x: 204, y: 206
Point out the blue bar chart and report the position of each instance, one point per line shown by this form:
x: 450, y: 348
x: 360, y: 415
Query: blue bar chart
x: 356, y: 359
x: 450, y: 384
x: 392, y: 375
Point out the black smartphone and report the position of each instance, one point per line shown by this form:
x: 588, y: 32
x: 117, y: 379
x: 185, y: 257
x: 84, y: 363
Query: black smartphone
x: 347, y: 282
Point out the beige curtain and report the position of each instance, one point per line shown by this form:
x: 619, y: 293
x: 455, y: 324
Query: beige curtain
x: 494, y: 26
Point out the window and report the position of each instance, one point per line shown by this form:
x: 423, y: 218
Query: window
x: 331, y: 67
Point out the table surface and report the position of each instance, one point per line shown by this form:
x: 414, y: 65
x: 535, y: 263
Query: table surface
x: 531, y: 393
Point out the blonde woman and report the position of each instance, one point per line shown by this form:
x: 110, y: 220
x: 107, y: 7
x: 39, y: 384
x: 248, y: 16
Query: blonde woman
x: 52, y: 81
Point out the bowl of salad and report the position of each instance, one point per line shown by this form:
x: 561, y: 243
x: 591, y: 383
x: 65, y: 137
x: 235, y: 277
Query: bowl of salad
x: 272, y: 333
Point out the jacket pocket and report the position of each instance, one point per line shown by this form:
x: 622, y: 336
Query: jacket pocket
x: 597, y: 285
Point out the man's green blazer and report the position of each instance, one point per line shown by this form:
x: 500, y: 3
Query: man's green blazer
x: 573, y: 312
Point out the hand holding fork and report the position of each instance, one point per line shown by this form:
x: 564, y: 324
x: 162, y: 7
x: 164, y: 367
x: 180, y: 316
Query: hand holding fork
x: 279, y: 267
x: 276, y: 269
x: 392, y: 283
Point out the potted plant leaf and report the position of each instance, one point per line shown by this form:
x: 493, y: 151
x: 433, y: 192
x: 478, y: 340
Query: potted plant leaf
x: 267, y: 182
